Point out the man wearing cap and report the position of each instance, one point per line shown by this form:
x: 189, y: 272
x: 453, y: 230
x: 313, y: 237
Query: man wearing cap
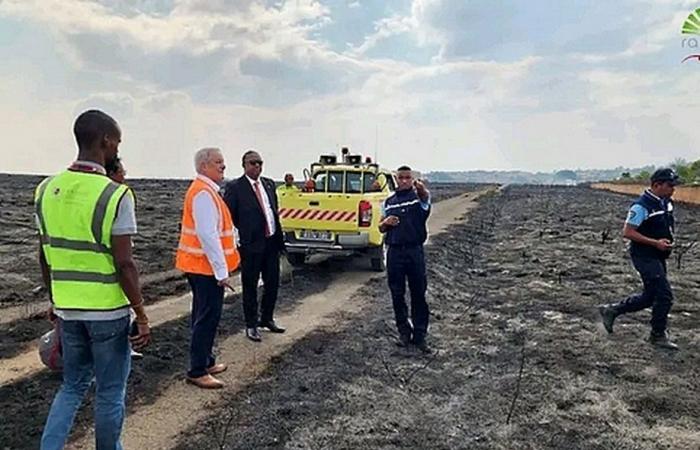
x: 649, y: 227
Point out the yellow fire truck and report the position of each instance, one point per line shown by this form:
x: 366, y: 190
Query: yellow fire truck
x: 338, y: 211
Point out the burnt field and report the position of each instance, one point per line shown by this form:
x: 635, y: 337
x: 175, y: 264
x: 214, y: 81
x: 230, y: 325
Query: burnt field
x: 522, y: 360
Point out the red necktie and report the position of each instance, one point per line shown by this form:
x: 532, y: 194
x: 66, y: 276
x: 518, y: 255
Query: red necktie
x: 262, y: 207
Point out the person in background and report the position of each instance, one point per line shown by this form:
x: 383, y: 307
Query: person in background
x: 116, y: 172
x: 404, y: 217
x: 288, y: 185
x: 85, y: 225
x: 207, y: 255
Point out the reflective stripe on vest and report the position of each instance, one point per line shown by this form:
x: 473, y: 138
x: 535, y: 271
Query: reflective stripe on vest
x: 191, y: 257
x: 75, y: 212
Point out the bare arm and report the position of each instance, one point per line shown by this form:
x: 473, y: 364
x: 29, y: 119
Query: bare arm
x: 128, y: 276
x: 45, y: 270
x: 631, y: 233
x: 46, y: 277
x: 126, y: 268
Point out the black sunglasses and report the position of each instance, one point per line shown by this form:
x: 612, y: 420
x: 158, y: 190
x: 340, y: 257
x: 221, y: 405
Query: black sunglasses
x: 256, y: 162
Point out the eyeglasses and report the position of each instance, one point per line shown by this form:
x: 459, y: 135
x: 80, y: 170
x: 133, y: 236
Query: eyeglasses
x: 256, y: 162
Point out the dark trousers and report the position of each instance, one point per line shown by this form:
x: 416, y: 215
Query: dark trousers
x: 657, y: 293
x: 254, y: 264
x: 207, y: 302
x: 408, y: 263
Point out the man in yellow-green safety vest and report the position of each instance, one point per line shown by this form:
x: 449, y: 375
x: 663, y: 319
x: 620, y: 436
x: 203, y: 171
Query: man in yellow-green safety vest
x: 85, y: 224
x: 288, y: 186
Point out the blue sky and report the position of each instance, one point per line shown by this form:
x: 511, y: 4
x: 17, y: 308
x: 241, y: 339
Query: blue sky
x: 437, y: 84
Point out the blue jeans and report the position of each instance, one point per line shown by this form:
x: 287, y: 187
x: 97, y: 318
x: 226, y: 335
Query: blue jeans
x: 91, y: 349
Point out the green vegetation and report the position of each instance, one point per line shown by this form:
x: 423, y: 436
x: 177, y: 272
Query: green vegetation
x: 689, y: 172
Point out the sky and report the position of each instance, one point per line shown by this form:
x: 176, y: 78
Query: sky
x: 435, y: 84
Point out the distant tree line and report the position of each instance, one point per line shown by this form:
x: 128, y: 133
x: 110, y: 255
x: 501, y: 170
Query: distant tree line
x: 689, y: 173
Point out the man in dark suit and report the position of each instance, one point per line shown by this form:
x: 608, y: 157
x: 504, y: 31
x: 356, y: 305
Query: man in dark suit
x: 253, y: 204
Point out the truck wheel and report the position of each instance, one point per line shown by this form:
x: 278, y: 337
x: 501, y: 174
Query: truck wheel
x: 378, y: 260
x: 296, y: 259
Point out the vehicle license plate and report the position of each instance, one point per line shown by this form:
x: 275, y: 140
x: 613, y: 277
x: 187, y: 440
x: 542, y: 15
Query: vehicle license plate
x: 315, y: 235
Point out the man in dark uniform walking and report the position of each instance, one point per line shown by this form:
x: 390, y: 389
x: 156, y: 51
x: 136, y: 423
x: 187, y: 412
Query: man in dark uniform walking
x: 649, y: 227
x: 404, y: 215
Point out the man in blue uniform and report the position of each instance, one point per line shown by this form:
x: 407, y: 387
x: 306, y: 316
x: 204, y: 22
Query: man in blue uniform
x: 649, y: 227
x: 404, y: 215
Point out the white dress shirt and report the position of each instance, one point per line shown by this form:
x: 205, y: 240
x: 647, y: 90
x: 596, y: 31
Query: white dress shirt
x: 206, y: 225
x: 269, y: 215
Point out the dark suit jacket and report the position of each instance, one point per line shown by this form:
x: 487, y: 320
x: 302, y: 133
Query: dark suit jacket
x: 248, y: 216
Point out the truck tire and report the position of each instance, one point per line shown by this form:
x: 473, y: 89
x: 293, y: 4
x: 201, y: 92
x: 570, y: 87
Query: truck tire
x: 296, y: 259
x: 378, y: 260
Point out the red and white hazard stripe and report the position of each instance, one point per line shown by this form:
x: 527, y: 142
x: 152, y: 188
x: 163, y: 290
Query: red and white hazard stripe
x: 327, y: 215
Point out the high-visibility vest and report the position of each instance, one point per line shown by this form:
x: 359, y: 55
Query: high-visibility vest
x: 283, y: 188
x: 190, y: 256
x: 75, y: 211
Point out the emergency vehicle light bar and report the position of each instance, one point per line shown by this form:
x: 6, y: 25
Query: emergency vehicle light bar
x: 328, y: 159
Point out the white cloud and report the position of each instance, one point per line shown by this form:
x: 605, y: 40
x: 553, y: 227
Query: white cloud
x: 385, y: 28
x: 183, y: 74
x: 194, y: 43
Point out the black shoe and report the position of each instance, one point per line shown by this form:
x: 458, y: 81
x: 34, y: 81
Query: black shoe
x: 662, y: 340
x: 608, y: 313
x: 272, y: 326
x: 422, y: 345
x: 253, y: 334
x: 404, y: 340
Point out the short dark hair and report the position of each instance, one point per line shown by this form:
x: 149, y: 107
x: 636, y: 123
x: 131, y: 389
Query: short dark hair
x: 111, y: 167
x: 403, y: 168
x: 93, y: 125
x: 249, y: 152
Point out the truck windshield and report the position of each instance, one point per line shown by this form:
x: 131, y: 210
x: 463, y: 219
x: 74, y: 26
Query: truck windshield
x: 335, y: 181
x: 368, y: 184
x: 353, y: 182
x: 320, y: 179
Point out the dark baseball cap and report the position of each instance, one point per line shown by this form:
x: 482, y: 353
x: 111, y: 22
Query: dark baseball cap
x: 665, y: 174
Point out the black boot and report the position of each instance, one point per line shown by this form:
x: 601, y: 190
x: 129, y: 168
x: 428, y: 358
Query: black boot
x: 404, y: 340
x: 608, y: 313
x: 405, y: 334
x: 662, y: 340
x: 421, y: 344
